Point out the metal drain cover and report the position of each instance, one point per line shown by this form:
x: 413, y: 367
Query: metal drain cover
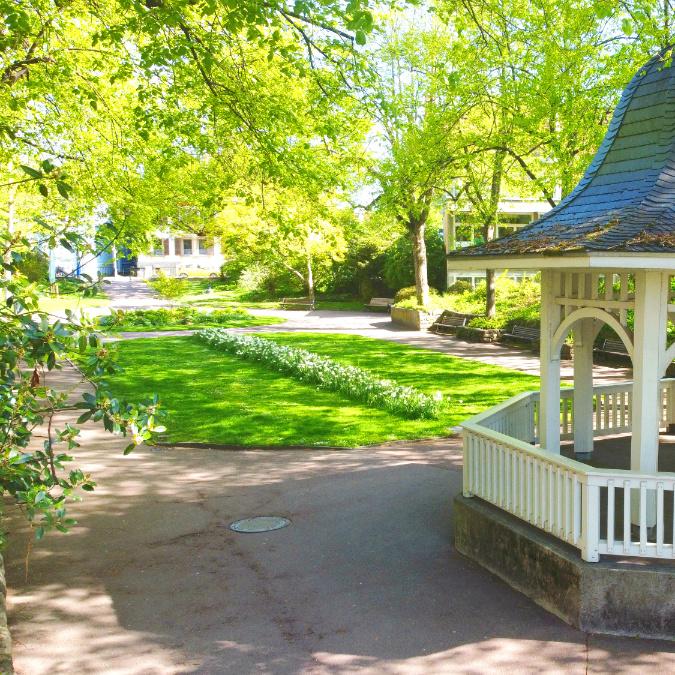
x: 259, y: 524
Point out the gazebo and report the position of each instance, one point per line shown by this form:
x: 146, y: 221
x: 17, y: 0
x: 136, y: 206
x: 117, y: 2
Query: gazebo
x: 606, y: 255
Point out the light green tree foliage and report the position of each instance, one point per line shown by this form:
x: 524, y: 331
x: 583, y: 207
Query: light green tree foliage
x: 550, y: 76
x: 130, y: 103
x: 288, y: 232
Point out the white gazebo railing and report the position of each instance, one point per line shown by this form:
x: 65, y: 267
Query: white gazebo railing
x: 566, y: 498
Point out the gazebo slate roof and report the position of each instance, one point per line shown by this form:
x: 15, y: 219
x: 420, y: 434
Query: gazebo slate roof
x: 626, y: 200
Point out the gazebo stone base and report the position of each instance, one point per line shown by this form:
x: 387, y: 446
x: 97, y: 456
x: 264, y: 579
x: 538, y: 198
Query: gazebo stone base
x: 611, y: 596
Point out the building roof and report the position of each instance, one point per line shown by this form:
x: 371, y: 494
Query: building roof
x: 625, y: 202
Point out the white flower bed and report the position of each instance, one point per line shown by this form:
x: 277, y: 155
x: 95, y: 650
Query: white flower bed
x: 325, y: 373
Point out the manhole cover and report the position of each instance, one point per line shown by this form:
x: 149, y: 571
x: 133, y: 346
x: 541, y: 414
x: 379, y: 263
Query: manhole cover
x: 259, y: 524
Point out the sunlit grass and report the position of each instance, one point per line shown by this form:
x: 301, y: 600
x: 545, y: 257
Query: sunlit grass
x: 213, y: 397
x: 216, y: 294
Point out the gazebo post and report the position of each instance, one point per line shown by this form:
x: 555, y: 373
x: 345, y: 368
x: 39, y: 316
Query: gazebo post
x: 549, y: 397
x: 584, y: 335
x: 651, y: 316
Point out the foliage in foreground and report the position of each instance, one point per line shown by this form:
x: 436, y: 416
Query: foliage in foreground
x: 180, y: 317
x: 33, y: 344
x: 326, y: 373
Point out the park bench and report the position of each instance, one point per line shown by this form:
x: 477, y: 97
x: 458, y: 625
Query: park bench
x: 380, y: 304
x: 448, y: 323
x: 523, y: 334
x: 612, y: 348
x: 297, y: 303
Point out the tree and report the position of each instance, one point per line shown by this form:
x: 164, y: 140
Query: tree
x: 419, y: 102
x: 289, y: 231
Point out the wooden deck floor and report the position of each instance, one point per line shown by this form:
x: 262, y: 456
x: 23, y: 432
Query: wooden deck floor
x: 614, y: 453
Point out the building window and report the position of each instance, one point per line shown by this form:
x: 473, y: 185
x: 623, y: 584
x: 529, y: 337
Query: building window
x: 204, y: 247
x: 160, y: 247
x: 187, y: 246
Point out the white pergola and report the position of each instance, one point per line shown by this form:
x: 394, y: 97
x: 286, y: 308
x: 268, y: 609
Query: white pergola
x: 606, y: 255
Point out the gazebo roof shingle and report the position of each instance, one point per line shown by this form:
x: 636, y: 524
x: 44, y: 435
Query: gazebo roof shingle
x: 626, y: 199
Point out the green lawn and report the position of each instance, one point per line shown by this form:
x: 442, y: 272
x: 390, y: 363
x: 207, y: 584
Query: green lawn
x: 224, y: 296
x: 218, y: 398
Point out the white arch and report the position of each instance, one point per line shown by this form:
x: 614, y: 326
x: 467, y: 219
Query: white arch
x: 668, y: 357
x: 591, y: 313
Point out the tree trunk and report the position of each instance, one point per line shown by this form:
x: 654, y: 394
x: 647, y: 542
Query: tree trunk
x: 490, y: 294
x: 489, y: 230
x: 417, y: 229
x: 310, y: 279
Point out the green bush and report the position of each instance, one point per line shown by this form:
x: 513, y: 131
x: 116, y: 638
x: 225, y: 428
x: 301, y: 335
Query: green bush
x: 398, y: 270
x: 34, y: 265
x: 461, y: 286
x: 488, y: 324
x: 169, y: 287
x: 180, y: 316
x: 231, y: 270
x: 410, y: 292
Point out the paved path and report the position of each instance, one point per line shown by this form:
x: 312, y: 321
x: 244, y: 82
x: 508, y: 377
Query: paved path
x: 365, y: 580
x: 374, y: 325
x: 132, y: 293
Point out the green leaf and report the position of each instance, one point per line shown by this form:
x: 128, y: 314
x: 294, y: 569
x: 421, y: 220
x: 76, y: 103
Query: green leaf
x: 43, y: 190
x: 63, y: 188
x: 360, y: 37
x: 33, y: 173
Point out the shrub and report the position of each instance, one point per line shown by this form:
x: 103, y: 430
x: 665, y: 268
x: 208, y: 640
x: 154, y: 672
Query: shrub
x: 169, y: 287
x: 325, y: 373
x: 398, y: 269
x: 231, y: 270
x: 483, y: 322
x: 410, y: 292
x: 180, y: 316
x: 34, y: 265
x: 461, y: 286
x: 517, y: 302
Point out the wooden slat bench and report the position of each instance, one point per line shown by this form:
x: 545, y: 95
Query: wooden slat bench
x: 297, y: 303
x: 448, y: 323
x: 613, y: 348
x: 523, y: 334
x: 380, y: 304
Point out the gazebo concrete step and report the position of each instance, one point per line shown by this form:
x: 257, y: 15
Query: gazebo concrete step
x: 613, y: 596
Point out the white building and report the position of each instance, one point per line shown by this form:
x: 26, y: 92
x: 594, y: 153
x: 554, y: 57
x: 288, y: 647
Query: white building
x: 460, y: 231
x: 181, y: 255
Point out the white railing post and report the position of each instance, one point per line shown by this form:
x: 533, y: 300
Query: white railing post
x: 590, y: 522
x: 468, y: 442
